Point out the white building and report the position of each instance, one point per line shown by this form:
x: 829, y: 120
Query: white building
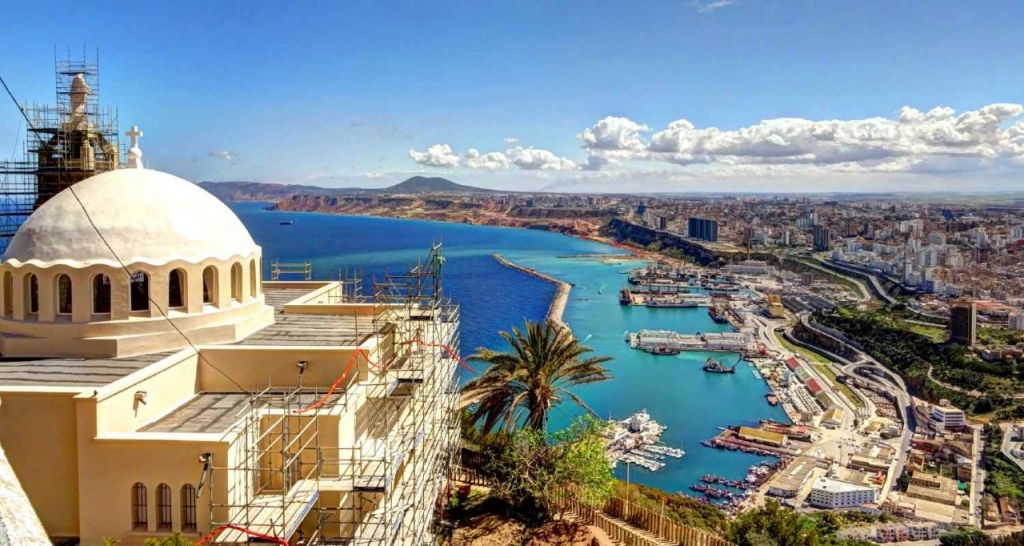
x: 945, y: 418
x: 835, y: 494
x: 1016, y: 321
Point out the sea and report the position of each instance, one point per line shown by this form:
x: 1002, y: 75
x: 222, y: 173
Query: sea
x: 672, y: 389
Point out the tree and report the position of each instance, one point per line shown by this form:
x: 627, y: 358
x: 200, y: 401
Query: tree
x: 174, y: 540
x: 533, y: 472
x: 785, y: 527
x: 523, y: 385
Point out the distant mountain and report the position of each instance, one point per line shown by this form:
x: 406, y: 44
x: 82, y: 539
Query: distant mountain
x: 260, y: 191
x: 434, y: 184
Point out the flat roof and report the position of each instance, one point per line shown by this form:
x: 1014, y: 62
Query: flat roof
x: 837, y: 486
x: 71, y: 372
x: 318, y: 330
x: 216, y: 412
x: 793, y: 477
x: 278, y: 297
x: 762, y: 434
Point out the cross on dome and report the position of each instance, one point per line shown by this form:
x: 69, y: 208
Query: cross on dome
x: 134, y: 153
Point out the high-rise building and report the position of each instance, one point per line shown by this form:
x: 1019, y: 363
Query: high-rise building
x: 963, y: 322
x: 663, y: 223
x: 702, y: 228
x: 822, y: 238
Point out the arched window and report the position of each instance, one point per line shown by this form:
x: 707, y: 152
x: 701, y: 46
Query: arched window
x: 140, y: 291
x: 176, y: 289
x: 188, y: 509
x: 140, y: 510
x: 32, y: 293
x: 210, y: 285
x: 8, y: 293
x: 236, y: 282
x: 63, y: 294
x: 253, y: 285
x: 163, y: 507
x: 101, y: 294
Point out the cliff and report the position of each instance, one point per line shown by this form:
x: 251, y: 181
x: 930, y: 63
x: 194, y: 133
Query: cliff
x: 622, y: 231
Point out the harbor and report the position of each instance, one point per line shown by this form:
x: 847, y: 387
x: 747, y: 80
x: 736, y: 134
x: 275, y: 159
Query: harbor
x: 663, y: 385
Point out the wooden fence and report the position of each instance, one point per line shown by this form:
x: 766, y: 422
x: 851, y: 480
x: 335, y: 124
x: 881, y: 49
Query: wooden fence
x: 624, y: 522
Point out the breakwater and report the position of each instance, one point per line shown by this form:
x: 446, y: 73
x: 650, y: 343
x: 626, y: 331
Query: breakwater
x: 557, y: 307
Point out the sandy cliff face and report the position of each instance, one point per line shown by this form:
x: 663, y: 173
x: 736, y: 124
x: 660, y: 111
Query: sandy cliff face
x: 569, y: 221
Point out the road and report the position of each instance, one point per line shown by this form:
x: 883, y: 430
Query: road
x: 977, y: 481
x: 870, y: 370
x: 1006, y: 447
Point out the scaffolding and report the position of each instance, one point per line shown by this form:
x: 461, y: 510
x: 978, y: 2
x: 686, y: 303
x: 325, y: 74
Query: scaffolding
x: 369, y: 462
x: 64, y: 144
x: 291, y: 271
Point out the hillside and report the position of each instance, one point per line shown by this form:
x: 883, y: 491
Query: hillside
x: 260, y: 191
x: 433, y: 184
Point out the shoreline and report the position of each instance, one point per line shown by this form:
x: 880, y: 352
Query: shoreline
x: 557, y: 307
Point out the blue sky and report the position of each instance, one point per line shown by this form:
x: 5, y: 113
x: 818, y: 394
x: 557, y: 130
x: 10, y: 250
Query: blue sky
x: 369, y: 92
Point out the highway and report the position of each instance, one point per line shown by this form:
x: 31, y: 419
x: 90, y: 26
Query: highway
x: 874, y: 372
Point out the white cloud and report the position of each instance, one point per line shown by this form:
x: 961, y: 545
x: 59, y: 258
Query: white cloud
x: 595, y: 162
x: 707, y: 6
x: 511, y: 140
x: 492, y: 160
x: 614, y: 133
x: 225, y: 155
x: 438, y: 155
x: 866, y: 142
x: 534, y: 159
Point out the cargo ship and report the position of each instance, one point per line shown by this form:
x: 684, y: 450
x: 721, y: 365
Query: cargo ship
x: 717, y: 314
x: 714, y: 366
x: 625, y: 298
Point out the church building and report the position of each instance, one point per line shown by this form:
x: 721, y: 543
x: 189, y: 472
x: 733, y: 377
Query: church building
x: 152, y: 381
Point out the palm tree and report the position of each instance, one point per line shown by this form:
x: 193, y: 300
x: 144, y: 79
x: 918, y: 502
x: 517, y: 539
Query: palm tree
x: 524, y: 384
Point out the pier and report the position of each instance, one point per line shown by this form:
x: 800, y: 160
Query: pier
x: 562, y: 288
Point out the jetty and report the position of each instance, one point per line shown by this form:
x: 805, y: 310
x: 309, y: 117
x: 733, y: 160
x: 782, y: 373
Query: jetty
x: 668, y: 342
x: 562, y: 288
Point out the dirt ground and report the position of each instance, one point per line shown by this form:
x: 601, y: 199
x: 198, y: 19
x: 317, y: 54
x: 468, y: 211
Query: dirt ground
x: 497, y: 530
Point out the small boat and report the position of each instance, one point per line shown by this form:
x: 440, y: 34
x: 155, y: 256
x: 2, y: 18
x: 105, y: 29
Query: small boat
x: 662, y: 350
x: 285, y: 223
x: 713, y: 366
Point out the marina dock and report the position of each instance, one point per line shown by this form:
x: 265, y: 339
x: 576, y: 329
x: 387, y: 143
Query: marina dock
x: 635, y: 441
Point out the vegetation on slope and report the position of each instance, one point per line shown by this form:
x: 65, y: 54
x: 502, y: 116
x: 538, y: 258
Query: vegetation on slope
x: 912, y: 355
x: 1002, y: 477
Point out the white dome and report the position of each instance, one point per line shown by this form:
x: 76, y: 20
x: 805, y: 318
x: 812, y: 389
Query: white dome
x: 145, y: 216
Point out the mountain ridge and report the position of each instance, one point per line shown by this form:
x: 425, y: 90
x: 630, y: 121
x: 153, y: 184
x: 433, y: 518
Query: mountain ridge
x: 269, y: 191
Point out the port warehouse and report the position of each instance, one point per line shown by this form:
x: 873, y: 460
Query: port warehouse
x: 760, y: 436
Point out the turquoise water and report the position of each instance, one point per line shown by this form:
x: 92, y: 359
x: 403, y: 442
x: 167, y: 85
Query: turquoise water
x: 674, y: 390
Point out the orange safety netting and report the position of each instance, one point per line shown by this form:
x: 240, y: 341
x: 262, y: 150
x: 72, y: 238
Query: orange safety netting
x: 219, y: 530
x: 323, y: 400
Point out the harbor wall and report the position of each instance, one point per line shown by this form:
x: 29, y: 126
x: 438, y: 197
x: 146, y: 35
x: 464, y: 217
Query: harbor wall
x: 562, y: 288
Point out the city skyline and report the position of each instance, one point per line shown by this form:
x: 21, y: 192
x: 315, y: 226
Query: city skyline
x: 722, y: 96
